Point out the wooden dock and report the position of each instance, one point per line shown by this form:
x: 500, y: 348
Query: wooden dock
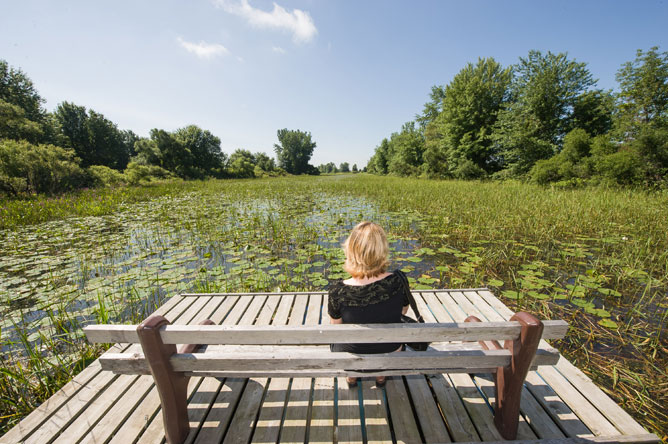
x: 559, y: 403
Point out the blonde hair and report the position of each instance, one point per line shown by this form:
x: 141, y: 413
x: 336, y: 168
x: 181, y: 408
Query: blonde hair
x: 366, y: 251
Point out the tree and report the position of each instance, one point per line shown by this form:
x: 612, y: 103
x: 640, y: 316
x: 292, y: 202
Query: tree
x: 355, y: 170
x: 406, y: 150
x: 265, y: 162
x: 241, y: 164
x: 294, y: 151
x: 643, y: 98
x: 432, y: 108
x: 15, y: 125
x: 538, y: 115
x: 174, y: 155
x: 344, y: 167
x: 94, y: 138
x: 204, y: 148
x: 459, y: 139
x: 379, y: 161
x: 17, y: 89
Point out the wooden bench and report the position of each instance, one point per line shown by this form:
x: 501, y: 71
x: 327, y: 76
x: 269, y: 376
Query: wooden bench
x: 288, y: 351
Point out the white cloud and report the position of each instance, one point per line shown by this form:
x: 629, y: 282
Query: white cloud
x: 298, y: 22
x: 204, y: 50
x: 278, y: 50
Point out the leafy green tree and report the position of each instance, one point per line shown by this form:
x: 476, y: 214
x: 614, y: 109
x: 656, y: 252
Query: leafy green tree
x: 204, y: 148
x: 593, y: 112
x: 241, y: 164
x: 344, y: 167
x: 432, y: 108
x: 174, y: 155
x: 355, y: 170
x: 294, y: 151
x: 543, y: 94
x: 15, y: 125
x: 265, y: 162
x: 17, y: 89
x: 28, y: 168
x: 643, y: 98
x: 458, y: 139
x: 94, y: 138
x: 406, y: 148
x: 379, y: 161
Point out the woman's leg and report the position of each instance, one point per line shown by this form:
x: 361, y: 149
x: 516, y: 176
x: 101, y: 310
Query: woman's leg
x: 380, y: 380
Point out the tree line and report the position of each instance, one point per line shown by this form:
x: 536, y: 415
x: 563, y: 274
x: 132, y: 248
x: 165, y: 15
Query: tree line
x: 74, y: 147
x: 543, y: 120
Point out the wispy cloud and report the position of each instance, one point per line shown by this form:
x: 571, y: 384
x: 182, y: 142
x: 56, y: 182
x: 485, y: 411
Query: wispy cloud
x: 278, y: 50
x: 203, y: 50
x: 298, y: 22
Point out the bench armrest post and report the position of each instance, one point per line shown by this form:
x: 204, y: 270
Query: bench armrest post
x: 510, y: 380
x: 172, y: 386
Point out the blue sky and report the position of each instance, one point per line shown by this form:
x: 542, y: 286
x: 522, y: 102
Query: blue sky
x: 350, y: 72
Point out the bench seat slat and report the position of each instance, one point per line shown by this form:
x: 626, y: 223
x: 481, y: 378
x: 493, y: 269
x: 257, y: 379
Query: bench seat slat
x: 324, y: 333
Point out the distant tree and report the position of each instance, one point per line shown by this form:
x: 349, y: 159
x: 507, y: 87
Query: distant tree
x: 379, y: 161
x: 95, y: 139
x: 174, y: 155
x: 643, y: 98
x: 593, y: 112
x: 265, y: 162
x: 544, y: 91
x: 406, y: 150
x: 204, y: 148
x: 294, y: 151
x: 241, y: 164
x: 355, y: 170
x: 432, y: 108
x: 15, y: 125
x: 458, y: 139
x: 16, y: 88
x: 344, y: 167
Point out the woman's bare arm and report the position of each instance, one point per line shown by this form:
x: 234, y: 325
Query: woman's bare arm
x: 335, y: 321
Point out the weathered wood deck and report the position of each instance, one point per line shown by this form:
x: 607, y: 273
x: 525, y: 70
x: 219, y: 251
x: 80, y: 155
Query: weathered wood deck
x: 559, y: 403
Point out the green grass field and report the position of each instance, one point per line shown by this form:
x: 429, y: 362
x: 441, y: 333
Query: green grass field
x: 597, y: 258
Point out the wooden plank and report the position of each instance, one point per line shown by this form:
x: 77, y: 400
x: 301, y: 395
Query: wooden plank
x: 426, y: 410
x: 608, y: 407
x: 151, y: 412
x: 321, y: 428
x: 243, y: 421
x: 560, y: 413
x: 592, y: 418
x: 301, y: 360
x: 225, y: 307
x: 95, y: 410
x: 295, y: 423
x: 643, y: 438
x: 324, y: 334
x: 376, y: 422
x: 456, y: 417
x: 349, y: 422
x: 283, y: 310
x: 587, y: 412
x: 38, y: 416
x: 550, y: 402
x: 71, y: 409
x: 476, y: 406
x: 534, y: 422
x: 293, y: 429
x: 403, y: 421
x: 219, y: 417
x: 275, y: 293
x: 120, y: 412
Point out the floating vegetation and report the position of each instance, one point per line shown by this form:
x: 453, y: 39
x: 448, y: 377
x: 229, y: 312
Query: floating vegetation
x: 596, y: 258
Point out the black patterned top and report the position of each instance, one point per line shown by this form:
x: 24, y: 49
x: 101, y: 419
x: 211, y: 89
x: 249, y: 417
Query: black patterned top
x: 379, y: 302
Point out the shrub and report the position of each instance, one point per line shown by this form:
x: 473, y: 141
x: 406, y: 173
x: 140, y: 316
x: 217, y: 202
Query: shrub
x: 105, y: 176
x: 136, y: 174
x: 623, y: 167
x: 28, y: 168
x: 546, y: 171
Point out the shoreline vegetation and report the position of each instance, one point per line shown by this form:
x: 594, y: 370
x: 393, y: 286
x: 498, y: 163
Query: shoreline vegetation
x: 596, y: 257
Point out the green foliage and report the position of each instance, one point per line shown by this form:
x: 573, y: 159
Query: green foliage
x: 644, y: 91
x: 344, y: 167
x: 17, y: 89
x: 621, y: 168
x: 94, y: 138
x: 204, y: 149
x: 137, y: 174
x: 405, y: 151
x: 544, y: 92
x: 458, y: 138
x: 294, y: 151
x: 241, y: 164
x: 105, y: 176
x: 27, y: 168
x: 15, y: 125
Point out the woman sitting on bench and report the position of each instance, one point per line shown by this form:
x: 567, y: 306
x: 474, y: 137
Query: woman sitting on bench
x: 371, y: 295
